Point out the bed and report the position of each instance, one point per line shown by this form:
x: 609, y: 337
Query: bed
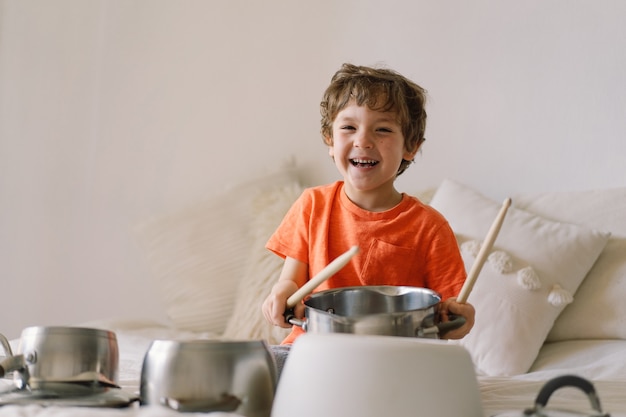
x: 548, y: 300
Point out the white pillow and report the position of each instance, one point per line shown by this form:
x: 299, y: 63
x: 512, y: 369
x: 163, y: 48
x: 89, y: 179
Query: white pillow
x: 533, y: 270
x: 199, y: 253
x: 263, y: 268
x: 599, y: 309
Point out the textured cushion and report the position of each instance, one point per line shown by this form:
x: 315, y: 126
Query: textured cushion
x: 599, y: 310
x: 262, y: 270
x: 199, y: 253
x: 533, y: 270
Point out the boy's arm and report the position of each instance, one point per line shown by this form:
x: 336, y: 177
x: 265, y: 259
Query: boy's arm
x: 293, y: 275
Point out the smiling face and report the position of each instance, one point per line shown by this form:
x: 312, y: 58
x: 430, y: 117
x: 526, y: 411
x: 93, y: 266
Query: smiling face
x: 367, y: 147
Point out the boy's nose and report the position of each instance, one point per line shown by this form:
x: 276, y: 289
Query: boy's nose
x: 363, y: 140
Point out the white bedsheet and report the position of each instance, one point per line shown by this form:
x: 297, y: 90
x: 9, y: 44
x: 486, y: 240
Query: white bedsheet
x: 601, y: 361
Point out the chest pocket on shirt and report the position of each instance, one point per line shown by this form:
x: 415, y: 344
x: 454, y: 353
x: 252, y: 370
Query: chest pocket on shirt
x: 387, y: 264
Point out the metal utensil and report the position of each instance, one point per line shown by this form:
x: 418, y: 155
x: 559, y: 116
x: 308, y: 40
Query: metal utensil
x: 209, y: 375
x: 384, y: 310
x: 62, y: 354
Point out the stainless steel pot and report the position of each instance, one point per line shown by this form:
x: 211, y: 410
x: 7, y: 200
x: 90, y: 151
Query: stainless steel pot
x: 51, y: 355
x: 376, y: 310
x: 205, y: 376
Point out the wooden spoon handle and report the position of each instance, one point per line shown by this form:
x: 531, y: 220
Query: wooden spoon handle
x: 328, y: 271
x: 483, y: 252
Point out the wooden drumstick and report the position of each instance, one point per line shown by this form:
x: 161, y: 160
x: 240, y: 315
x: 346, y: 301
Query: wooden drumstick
x: 483, y: 253
x: 327, y: 272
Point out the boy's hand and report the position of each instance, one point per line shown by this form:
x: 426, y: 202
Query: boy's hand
x: 275, y: 304
x: 451, y: 307
x: 293, y: 275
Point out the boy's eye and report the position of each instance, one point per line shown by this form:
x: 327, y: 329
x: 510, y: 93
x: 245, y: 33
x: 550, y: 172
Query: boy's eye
x: 347, y: 127
x: 384, y: 129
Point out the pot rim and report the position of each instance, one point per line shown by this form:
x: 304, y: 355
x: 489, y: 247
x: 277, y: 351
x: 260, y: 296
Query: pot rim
x: 67, y: 330
x: 204, y: 344
x: 383, y: 289
x: 389, y: 290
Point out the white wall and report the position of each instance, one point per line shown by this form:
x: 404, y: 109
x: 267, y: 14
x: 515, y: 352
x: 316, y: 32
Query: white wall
x: 112, y: 111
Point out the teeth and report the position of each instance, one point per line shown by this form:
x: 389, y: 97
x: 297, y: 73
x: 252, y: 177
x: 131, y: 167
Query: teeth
x: 363, y: 162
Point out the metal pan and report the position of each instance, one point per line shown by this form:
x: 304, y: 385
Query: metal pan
x: 376, y: 310
x: 53, y: 355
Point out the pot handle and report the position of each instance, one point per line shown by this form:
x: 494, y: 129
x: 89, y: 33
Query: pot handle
x: 10, y: 364
x: 5, y: 345
x: 566, y: 381
x: 455, y: 323
x: 291, y: 319
x: 13, y: 363
x: 289, y: 315
x: 442, y: 328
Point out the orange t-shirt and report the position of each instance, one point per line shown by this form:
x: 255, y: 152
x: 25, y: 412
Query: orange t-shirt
x: 409, y: 244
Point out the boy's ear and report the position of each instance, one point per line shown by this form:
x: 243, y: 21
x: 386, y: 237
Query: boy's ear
x: 410, y: 155
x: 329, y: 142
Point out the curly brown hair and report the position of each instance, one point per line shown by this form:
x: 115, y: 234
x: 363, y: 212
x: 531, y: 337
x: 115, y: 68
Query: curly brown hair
x: 379, y: 89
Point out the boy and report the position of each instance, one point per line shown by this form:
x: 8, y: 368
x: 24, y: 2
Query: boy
x: 373, y: 122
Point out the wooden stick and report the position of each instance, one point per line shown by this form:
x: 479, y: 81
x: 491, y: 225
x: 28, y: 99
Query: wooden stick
x: 327, y: 272
x: 483, y: 252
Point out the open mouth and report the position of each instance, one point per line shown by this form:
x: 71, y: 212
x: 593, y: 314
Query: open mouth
x: 363, y: 163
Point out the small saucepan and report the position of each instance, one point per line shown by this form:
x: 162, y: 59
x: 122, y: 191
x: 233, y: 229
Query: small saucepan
x: 209, y: 375
x: 48, y: 356
x: 376, y: 310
